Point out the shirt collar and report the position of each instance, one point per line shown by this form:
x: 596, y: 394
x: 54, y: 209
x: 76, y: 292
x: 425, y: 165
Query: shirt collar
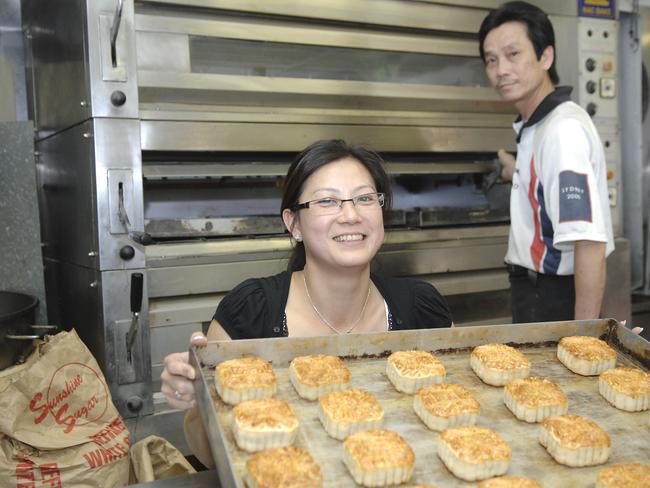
x: 560, y: 95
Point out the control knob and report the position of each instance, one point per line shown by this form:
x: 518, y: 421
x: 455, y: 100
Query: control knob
x: 591, y: 87
x: 134, y: 404
x: 590, y: 64
x: 592, y: 108
x: 127, y: 252
x: 118, y: 98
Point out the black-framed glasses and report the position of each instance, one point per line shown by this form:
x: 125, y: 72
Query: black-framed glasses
x: 331, y: 205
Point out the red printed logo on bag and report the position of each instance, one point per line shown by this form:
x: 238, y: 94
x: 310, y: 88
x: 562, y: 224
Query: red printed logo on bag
x: 76, y: 396
x: 48, y: 475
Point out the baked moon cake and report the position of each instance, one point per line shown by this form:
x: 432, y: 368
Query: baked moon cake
x: 624, y: 476
x: 345, y: 412
x: 496, y: 364
x: 532, y: 399
x: 474, y: 453
x: 378, y: 458
x: 574, y: 441
x: 446, y: 405
x: 283, y: 467
x: 242, y: 379
x: 317, y: 374
x: 409, y: 371
x: 509, y: 482
x: 587, y: 356
x: 264, y: 424
x: 626, y: 388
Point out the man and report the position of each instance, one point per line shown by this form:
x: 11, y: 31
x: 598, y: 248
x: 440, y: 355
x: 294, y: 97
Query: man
x: 561, y: 228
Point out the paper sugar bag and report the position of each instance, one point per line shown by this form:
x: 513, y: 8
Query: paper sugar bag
x: 59, y: 426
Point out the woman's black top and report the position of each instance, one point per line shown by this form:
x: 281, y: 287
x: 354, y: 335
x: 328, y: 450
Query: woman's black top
x: 255, y: 308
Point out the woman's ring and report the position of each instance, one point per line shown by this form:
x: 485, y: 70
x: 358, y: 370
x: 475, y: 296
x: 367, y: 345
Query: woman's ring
x: 177, y: 394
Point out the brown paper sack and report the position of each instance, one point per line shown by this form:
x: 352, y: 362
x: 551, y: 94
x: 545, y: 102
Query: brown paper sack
x: 58, y: 426
x: 155, y: 458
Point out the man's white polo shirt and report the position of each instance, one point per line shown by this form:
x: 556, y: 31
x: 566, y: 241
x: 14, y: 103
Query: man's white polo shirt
x: 559, y: 188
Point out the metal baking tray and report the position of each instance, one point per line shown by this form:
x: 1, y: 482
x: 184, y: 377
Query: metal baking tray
x: 365, y: 355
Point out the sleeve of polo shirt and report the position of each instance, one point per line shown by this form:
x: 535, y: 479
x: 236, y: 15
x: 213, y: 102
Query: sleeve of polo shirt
x: 570, y: 187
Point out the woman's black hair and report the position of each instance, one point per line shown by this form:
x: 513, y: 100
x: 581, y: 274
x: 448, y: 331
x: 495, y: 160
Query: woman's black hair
x: 540, y: 29
x: 314, y: 157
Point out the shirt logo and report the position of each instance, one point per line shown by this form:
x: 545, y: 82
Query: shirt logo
x: 575, y: 199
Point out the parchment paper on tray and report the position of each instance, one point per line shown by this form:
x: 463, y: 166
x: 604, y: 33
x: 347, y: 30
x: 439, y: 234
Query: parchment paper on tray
x: 365, y: 356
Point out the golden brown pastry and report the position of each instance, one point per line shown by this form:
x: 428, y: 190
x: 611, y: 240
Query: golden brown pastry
x: 378, y: 458
x: 317, y: 374
x: 446, y: 405
x: 283, y: 467
x: 264, y: 424
x: 474, y: 453
x: 574, y: 441
x: 242, y: 379
x: 626, y: 388
x: 586, y: 355
x: 496, y: 364
x: 624, y: 476
x: 411, y: 370
x: 345, y: 412
x: 534, y: 398
x: 509, y: 482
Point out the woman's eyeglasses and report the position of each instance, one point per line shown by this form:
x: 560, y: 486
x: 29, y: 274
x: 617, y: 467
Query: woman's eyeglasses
x: 331, y: 205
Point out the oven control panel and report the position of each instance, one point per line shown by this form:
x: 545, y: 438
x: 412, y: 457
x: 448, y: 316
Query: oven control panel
x: 597, y: 93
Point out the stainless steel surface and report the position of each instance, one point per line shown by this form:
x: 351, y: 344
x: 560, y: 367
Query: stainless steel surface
x: 382, y: 12
x: 193, y: 253
x: 194, y: 136
x: 62, y: 163
x: 117, y: 161
x: 198, y: 87
x: 58, y: 88
x: 222, y: 273
x: 127, y: 379
x: 73, y: 173
x: 87, y: 280
x: 365, y: 356
x: 630, y: 60
x: 560, y: 7
x: 107, y: 74
x: 234, y: 28
x: 194, y: 171
x: 223, y: 113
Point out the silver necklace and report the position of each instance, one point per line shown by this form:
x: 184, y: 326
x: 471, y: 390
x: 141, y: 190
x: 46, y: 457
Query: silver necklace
x: 324, y: 320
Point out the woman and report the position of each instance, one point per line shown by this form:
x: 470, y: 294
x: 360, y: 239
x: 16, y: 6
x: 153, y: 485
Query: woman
x: 333, y: 203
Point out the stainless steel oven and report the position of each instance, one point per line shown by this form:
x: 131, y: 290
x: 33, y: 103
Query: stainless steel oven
x: 164, y: 127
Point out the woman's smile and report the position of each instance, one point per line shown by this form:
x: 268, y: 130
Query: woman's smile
x: 349, y: 237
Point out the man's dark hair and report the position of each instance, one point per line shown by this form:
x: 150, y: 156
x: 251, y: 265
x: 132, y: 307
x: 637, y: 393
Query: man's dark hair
x: 540, y: 29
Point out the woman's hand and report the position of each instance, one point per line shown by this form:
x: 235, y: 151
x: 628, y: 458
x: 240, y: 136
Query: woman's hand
x: 176, y: 378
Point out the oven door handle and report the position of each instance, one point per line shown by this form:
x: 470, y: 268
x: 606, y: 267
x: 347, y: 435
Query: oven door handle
x: 115, y: 28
